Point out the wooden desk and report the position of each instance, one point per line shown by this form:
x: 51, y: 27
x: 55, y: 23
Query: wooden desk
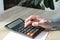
x: 23, y: 12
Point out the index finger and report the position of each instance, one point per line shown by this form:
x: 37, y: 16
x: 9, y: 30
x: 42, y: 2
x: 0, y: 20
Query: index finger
x: 29, y: 20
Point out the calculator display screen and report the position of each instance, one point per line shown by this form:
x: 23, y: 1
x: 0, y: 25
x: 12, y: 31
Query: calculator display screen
x: 14, y: 23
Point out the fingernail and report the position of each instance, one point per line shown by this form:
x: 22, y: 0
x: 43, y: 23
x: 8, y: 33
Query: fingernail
x: 35, y: 23
x: 42, y: 21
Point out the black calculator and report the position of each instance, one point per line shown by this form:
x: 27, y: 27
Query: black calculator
x: 18, y: 26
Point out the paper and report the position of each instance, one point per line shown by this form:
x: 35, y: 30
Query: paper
x: 16, y: 36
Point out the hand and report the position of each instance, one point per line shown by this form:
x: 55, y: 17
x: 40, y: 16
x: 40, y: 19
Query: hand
x: 37, y: 21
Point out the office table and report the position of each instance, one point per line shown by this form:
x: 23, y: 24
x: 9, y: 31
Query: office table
x: 23, y: 12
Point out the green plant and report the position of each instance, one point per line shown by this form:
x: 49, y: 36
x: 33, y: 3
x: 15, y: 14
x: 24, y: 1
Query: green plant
x: 39, y: 4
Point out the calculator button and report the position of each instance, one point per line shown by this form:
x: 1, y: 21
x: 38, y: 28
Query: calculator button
x: 33, y: 33
x: 28, y: 30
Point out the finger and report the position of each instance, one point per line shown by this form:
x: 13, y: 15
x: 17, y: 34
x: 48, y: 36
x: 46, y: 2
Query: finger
x: 27, y: 23
x: 42, y: 21
x: 40, y: 24
x: 44, y: 25
x: 39, y: 18
x: 30, y: 18
x: 35, y: 24
x: 33, y: 18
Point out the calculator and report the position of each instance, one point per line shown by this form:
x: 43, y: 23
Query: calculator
x: 18, y: 26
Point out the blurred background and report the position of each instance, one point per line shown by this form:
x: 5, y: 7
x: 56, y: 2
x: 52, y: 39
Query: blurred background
x: 6, y: 4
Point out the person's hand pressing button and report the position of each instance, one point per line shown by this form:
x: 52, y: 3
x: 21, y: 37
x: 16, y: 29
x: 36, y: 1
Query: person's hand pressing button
x: 37, y: 21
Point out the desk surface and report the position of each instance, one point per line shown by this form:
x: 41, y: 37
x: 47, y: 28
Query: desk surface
x: 23, y: 12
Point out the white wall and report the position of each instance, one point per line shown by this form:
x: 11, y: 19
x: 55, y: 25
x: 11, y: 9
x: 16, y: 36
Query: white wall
x: 1, y: 6
x: 57, y: 7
